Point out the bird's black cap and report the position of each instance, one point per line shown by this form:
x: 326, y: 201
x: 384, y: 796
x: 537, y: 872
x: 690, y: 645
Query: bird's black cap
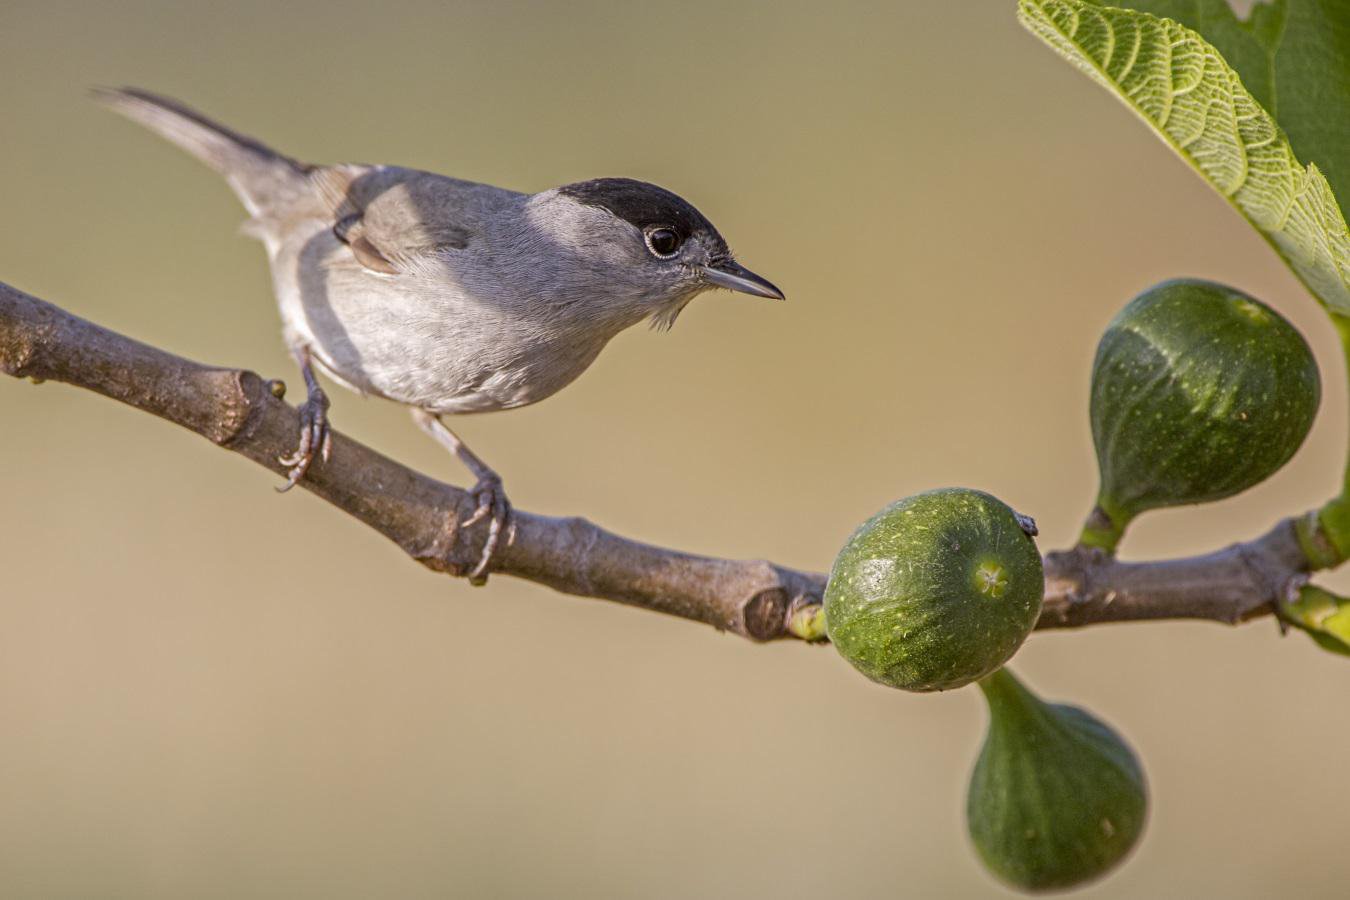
x: 645, y: 206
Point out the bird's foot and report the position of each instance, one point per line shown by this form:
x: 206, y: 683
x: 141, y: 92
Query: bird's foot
x: 316, y: 439
x: 490, y: 503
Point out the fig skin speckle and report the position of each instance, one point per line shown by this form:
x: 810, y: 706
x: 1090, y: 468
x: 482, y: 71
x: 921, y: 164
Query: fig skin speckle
x: 935, y: 591
x: 1057, y: 797
x: 1199, y: 392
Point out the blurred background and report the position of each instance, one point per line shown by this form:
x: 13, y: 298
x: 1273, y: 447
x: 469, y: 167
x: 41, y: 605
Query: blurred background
x: 210, y: 690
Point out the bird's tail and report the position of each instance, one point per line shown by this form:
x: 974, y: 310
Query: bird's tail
x: 263, y: 178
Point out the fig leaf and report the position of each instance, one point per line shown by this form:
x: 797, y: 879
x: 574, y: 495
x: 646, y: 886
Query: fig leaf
x: 1180, y: 84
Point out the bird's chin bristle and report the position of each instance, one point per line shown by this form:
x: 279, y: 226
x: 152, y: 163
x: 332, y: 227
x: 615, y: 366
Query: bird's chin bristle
x: 665, y: 317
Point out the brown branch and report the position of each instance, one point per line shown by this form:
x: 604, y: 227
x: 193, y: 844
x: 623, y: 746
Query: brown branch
x: 242, y: 412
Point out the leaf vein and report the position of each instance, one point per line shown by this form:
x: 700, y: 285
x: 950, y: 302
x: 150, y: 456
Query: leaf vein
x: 1187, y: 92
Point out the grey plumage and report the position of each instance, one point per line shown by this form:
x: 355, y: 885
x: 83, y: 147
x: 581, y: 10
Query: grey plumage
x: 447, y: 295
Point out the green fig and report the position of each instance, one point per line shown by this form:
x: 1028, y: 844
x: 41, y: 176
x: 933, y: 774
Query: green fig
x: 1057, y: 798
x: 935, y: 591
x: 1198, y: 393
x: 1322, y: 614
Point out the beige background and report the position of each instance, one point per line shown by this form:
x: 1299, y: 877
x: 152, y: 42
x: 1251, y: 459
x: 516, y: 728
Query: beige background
x: 210, y: 690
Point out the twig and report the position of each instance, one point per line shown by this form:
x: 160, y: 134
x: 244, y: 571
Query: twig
x: 240, y: 411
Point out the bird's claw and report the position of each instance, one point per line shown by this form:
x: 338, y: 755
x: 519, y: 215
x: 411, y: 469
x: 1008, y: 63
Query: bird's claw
x: 315, y: 439
x: 491, y: 504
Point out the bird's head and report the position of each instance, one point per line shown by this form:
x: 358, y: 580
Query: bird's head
x: 638, y: 248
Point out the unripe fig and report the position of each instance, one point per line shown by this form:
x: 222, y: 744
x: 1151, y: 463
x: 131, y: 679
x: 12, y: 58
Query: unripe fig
x: 1057, y: 798
x: 1198, y: 392
x: 935, y: 591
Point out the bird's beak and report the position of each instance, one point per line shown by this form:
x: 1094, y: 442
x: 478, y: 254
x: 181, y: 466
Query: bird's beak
x: 735, y: 277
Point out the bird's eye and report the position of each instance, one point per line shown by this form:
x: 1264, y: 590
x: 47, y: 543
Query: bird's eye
x: 663, y: 242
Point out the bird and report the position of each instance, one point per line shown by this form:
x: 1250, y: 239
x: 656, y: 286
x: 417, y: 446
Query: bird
x: 445, y: 295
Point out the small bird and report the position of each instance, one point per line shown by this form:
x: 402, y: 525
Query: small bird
x: 445, y: 295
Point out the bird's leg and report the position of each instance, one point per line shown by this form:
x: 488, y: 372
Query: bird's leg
x: 489, y: 497
x: 315, y: 438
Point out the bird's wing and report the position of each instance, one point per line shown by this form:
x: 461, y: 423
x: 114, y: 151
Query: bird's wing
x: 389, y: 216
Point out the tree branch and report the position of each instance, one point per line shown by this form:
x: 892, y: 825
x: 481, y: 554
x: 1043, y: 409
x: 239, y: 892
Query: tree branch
x: 240, y: 411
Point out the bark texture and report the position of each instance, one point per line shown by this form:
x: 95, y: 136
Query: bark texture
x: 244, y: 413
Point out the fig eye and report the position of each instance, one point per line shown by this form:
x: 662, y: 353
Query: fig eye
x: 663, y: 242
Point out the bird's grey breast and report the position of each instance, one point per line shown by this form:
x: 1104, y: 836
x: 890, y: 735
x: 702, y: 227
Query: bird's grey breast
x: 426, y: 290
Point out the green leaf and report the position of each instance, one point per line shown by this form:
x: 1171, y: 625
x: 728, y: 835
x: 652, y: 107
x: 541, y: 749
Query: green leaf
x: 1294, y: 57
x: 1312, y: 82
x: 1249, y: 46
x: 1180, y: 85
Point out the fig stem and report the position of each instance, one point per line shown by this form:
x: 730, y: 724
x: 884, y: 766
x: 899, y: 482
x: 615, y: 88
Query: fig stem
x: 806, y: 620
x: 1334, y: 517
x: 1102, y: 530
x: 1015, y: 702
x: 1000, y: 683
